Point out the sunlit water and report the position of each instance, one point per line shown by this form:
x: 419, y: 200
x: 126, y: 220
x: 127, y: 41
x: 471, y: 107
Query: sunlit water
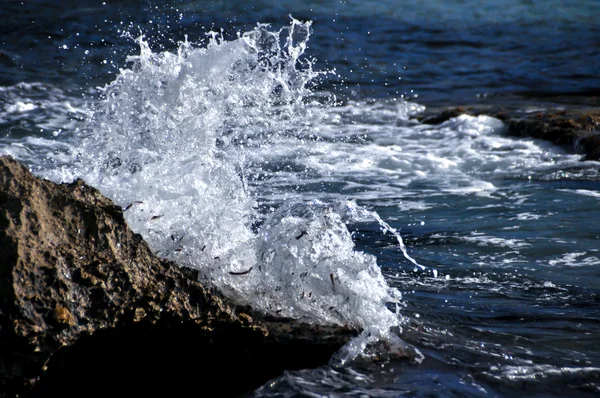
x: 294, y: 189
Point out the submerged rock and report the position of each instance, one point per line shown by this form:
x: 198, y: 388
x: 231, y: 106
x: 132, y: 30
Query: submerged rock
x: 443, y: 115
x: 86, y: 308
x: 578, y: 129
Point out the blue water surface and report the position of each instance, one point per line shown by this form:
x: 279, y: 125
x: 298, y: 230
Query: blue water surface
x: 444, y: 52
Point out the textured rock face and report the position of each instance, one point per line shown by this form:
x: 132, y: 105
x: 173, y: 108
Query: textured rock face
x: 84, y: 299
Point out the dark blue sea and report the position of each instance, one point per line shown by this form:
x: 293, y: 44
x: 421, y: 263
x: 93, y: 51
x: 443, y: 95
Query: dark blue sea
x: 284, y: 134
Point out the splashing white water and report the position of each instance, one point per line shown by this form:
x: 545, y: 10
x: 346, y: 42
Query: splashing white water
x: 171, y: 142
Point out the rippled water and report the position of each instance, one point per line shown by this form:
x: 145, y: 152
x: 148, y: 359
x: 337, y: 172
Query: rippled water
x: 310, y: 157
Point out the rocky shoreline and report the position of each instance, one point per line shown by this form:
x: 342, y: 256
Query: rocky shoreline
x: 577, y: 129
x: 86, y: 308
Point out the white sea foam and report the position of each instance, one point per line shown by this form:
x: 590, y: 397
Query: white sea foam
x: 43, y: 108
x: 526, y: 217
x: 486, y: 240
x: 575, y: 259
x: 37, y: 121
x: 44, y: 154
x: 547, y: 373
x: 584, y: 192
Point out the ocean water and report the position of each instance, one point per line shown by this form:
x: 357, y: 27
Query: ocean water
x: 273, y: 146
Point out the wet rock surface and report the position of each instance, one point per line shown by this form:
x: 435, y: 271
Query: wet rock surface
x: 578, y: 129
x: 87, y: 309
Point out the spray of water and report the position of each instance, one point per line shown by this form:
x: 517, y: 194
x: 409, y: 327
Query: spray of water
x: 170, y: 142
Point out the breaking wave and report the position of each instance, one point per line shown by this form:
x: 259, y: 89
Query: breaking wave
x: 184, y: 140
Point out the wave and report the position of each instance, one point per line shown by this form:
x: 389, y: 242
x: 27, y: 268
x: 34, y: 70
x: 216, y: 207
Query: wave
x: 182, y: 139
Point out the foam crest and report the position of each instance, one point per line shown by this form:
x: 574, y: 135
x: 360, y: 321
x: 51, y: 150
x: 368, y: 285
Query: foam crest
x: 39, y: 109
x: 308, y: 265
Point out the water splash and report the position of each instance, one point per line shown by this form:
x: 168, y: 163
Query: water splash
x: 170, y: 142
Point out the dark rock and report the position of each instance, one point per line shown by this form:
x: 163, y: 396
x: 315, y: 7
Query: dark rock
x: 589, y: 145
x: 579, y: 129
x: 86, y: 308
x: 444, y: 115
